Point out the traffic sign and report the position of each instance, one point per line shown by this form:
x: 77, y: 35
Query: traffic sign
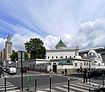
x: 29, y: 81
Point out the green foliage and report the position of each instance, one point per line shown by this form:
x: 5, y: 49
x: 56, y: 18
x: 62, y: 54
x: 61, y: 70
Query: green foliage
x: 26, y: 56
x: 14, y: 56
x: 35, y: 48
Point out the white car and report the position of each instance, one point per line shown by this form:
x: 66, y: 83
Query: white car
x: 12, y: 70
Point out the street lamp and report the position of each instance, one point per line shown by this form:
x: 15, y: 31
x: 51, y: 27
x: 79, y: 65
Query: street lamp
x: 89, y: 65
x: 50, y: 83
x: 68, y: 85
x: 21, y: 58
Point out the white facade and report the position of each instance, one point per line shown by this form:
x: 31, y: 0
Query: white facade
x: 95, y: 59
x: 60, y: 53
x: 71, y: 66
x: 8, y: 48
x: 7, y: 51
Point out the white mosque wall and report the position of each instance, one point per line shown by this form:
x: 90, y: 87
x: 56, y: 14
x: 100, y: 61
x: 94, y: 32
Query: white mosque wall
x: 55, y: 54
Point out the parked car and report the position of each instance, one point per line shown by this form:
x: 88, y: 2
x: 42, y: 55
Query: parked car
x: 11, y: 70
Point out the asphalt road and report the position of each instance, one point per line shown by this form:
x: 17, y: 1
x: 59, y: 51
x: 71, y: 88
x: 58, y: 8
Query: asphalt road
x: 42, y: 80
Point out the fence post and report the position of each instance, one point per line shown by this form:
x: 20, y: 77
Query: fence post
x: 35, y: 83
x: 50, y: 83
x: 5, y: 83
x: 68, y: 85
x: 89, y: 81
x: 103, y: 80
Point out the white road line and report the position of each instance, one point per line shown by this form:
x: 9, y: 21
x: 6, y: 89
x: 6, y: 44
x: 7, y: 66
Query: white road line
x: 80, y: 89
x: 14, y: 91
x: 52, y: 90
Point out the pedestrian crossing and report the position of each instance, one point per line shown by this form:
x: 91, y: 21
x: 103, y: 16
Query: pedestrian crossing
x: 9, y: 87
x: 74, y: 87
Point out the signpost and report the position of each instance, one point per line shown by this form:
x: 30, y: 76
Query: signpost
x: 21, y: 58
x: 29, y: 82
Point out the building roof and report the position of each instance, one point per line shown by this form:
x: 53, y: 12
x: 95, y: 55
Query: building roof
x: 60, y: 44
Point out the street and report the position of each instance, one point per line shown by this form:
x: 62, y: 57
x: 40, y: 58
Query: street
x: 42, y: 80
x: 59, y: 82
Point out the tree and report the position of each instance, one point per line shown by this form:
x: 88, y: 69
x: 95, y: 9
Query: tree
x: 35, y: 48
x: 14, y: 56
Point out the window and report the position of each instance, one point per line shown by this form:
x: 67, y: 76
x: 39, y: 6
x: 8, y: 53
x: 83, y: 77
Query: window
x: 95, y: 61
x: 68, y: 61
x: 84, y: 63
x: 66, y: 57
x: 70, y: 56
x: 61, y: 57
x: 56, y: 56
x: 48, y: 57
x: 52, y: 57
x: 75, y: 64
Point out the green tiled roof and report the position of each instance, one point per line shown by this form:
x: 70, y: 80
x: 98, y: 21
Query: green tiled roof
x: 60, y: 44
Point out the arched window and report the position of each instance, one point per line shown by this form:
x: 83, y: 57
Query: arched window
x: 52, y: 57
x: 56, y: 56
x: 65, y: 56
x: 75, y: 64
x: 61, y: 57
x: 48, y: 57
x: 68, y: 61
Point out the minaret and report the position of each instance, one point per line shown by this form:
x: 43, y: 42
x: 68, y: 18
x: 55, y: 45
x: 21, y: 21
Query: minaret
x: 8, y: 48
x: 76, y: 51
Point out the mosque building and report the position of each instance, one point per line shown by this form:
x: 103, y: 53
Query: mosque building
x: 61, y: 51
x: 62, y: 58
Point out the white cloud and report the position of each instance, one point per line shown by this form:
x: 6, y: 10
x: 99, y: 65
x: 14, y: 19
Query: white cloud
x: 2, y: 45
x: 23, y: 35
x: 94, y: 33
x: 90, y: 34
x: 50, y: 41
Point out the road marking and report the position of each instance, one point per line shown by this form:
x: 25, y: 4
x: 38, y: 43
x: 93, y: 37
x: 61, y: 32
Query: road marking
x: 14, y: 91
x: 76, y: 88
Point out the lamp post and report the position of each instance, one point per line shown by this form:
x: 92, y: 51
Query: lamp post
x: 68, y: 85
x: 89, y: 65
x: 50, y: 83
x: 103, y: 79
x: 21, y: 58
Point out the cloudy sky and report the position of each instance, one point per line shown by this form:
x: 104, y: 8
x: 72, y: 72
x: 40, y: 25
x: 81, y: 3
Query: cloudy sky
x: 77, y: 22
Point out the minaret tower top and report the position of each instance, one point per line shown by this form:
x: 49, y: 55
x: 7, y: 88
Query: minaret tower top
x: 8, y: 38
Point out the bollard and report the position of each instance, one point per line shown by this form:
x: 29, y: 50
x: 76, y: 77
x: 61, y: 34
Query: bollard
x: 35, y: 84
x: 89, y: 90
x: 103, y: 80
x: 89, y: 81
x: 68, y: 85
x: 50, y: 83
x: 5, y: 83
